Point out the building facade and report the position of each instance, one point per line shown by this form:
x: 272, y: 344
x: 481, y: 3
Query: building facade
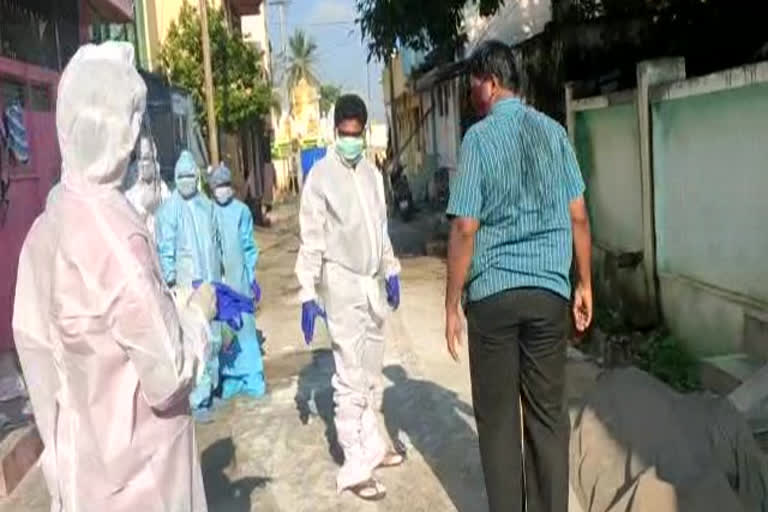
x: 154, y: 19
x: 254, y: 28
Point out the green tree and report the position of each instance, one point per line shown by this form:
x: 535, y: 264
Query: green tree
x: 328, y: 95
x: 301, y: 60
x: 432, y: 25
x: 241, y: 85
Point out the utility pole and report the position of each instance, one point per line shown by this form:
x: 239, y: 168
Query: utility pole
x: 213, y: 134
x: 282, y: 59
x: 393, y: 114
x: 280, y: 4
x: 370, y: 104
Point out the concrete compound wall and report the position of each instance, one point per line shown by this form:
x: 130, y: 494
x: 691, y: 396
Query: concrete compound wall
x: 706, y: 160
x: 710, y: 162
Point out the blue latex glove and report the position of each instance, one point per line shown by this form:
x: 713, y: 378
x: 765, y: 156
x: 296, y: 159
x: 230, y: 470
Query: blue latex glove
x: 393, y: 291
x: 230, y: 304
x: 309, y: 313
x: 256, y: 289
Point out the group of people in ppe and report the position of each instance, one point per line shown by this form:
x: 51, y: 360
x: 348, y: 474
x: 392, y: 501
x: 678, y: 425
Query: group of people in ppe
x: 128, y: 304
x: 116, y: 325
x: 199, y: 239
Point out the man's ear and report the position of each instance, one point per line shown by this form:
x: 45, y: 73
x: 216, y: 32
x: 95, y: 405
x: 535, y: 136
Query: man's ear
x: 497, y: 85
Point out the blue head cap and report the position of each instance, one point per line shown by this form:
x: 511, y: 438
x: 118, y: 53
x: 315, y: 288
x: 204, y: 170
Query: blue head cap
x: 220, y: 176
x: 186, y: 165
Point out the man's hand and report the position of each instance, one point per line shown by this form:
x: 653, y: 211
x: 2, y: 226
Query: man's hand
x: 461, y: 247
x: 453, y: 331
x: 582, y: 307
x: 393, y: 291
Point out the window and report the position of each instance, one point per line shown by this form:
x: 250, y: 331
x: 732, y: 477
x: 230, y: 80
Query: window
x: 101, y: 30
x: 12, y: 91
x: 35, y: 98
x: 41, y: 33
x: 40, y: 99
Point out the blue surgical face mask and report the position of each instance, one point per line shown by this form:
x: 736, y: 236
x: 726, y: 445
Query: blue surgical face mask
x: 187, y: 186
x: 223, y: 194
x: 350, y: 148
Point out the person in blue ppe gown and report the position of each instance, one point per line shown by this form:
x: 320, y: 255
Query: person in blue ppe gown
x: 189, y: 248
x: 242, y: 368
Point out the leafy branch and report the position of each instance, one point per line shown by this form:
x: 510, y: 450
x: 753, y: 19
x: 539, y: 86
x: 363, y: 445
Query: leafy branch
x: 241, y: 85
x: 425, y: 25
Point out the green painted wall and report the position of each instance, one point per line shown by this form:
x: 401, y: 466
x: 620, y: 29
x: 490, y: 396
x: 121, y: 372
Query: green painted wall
x: 607, y: 145
x: 710, y: 160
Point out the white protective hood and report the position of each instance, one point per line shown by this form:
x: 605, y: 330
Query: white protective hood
x: 98, y: 91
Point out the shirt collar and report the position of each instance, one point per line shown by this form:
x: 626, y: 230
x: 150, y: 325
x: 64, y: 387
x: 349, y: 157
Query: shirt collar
x: 506, y: 105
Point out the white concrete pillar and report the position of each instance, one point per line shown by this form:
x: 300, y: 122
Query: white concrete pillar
x: 649, y: 74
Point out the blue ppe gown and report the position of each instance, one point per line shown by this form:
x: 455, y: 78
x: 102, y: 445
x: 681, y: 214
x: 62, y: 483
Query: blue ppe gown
x: 189, y: 248
x: 242, y: 368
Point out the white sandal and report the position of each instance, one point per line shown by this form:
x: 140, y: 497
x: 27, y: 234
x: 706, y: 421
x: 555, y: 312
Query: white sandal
x: 370, y: 490
x: 391, y: 460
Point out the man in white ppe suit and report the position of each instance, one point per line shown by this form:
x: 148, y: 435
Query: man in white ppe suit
x: 109, y: 358
x: 346, y: 263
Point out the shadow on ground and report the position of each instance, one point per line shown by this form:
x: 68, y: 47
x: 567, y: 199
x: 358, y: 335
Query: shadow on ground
x: 437, y: 424
x: 419, y: 415
x: 224, y: 494
x: 314, y: 397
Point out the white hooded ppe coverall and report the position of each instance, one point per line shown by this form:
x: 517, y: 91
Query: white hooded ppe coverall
x: 143, y: 185
x: 344, y: 258
x: 109, y: 359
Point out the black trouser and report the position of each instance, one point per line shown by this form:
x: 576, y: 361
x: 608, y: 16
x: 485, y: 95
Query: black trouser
x: 517, y: 351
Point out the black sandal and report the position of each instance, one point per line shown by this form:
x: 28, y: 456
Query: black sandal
x: 370, y: 490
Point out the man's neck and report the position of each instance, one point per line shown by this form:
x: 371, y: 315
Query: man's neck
x: 505, y: 94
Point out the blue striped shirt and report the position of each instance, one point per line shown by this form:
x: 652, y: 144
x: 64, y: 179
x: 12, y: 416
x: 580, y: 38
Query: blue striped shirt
x: 517, y: 176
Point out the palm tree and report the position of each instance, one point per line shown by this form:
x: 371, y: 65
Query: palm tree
x: 301, y: 60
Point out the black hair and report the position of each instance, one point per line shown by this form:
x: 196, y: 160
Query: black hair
x: 350, y: 106
x: 495, y: 59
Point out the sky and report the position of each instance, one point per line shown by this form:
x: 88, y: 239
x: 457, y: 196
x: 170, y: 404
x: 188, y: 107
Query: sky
x: 341, y: 52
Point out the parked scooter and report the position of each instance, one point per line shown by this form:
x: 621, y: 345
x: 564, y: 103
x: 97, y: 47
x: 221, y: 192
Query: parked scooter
x: 402, y: 194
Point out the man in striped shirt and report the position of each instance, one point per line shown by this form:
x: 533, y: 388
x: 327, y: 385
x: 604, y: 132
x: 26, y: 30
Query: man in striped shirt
x: 518, y: 214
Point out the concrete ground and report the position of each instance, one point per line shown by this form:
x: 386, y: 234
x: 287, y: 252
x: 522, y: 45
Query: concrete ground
x: 279, y: 453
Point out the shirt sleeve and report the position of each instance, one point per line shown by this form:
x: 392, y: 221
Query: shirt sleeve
x: 574, y: 183
x: 466, y: 199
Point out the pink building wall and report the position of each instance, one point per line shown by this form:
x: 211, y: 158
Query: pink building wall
x: 30, y: 183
